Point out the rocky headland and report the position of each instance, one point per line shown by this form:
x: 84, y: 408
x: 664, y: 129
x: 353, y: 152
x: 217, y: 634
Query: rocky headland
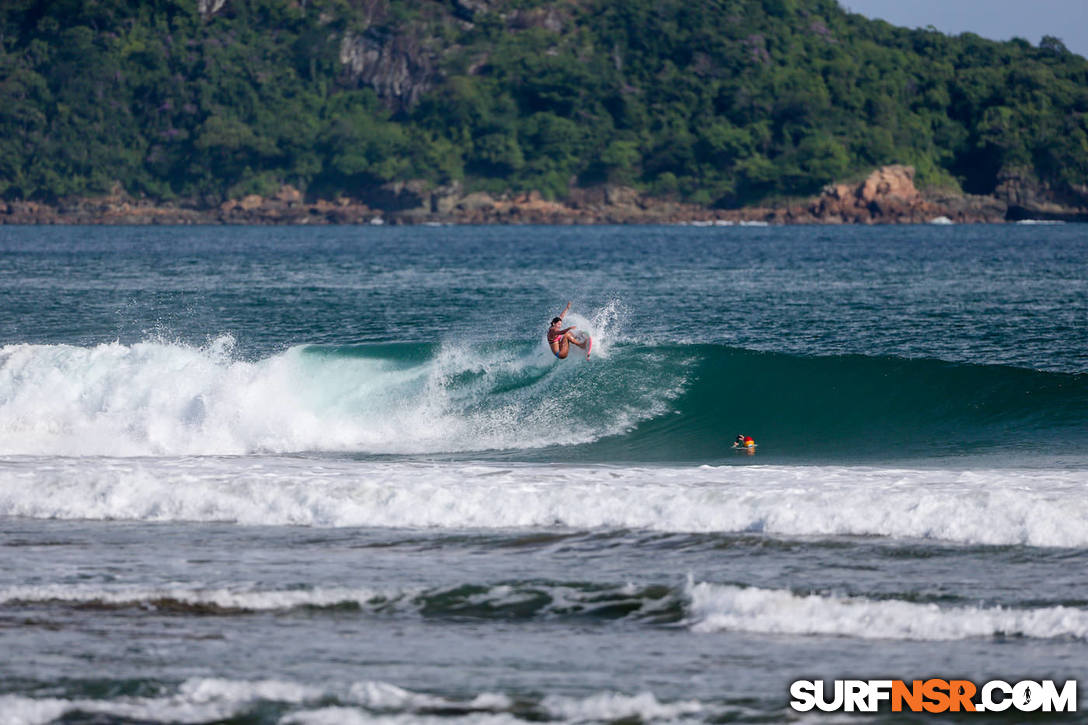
x: 887, y: 196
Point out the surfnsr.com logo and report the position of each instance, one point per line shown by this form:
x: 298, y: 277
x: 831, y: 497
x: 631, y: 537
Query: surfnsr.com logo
x: 933, y: 695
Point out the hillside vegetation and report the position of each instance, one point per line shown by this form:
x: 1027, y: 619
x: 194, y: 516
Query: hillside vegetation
x: 721, y: 102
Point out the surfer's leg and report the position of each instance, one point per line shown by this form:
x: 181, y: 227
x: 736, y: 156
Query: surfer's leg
x: 564, y: 348
x: 580, y: 343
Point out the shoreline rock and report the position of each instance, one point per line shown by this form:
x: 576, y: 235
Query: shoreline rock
x: 887, y: 196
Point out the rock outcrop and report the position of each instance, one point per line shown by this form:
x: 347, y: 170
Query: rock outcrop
x: 287, y: 206
x: 888, y: 196
x: 397, y: 67
x: 208, y: 8
x: 1028, y: 198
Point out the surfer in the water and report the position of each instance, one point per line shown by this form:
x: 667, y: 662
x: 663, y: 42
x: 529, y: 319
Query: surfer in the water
x: 561, y: 338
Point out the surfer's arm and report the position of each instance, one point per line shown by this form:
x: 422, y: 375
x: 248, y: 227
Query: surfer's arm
x: 565, y: 311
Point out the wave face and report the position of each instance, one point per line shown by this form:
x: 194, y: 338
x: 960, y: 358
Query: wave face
x: 823, y: 407
x: 630, y: 402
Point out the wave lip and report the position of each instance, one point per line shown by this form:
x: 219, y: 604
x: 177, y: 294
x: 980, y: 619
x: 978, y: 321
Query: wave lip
x: 723, y: 608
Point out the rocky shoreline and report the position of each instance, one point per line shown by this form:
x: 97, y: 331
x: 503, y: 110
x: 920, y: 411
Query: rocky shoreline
x: 887, y: 196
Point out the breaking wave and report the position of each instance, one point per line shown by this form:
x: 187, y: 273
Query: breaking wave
x: 631, y: 402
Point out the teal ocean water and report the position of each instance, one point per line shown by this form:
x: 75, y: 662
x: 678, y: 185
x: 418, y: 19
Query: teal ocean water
x: 335, y: 475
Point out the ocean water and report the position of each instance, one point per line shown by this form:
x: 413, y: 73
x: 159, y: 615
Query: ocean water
x: 334, y: 475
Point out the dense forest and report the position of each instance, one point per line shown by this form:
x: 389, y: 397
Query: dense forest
x: 719, y: 102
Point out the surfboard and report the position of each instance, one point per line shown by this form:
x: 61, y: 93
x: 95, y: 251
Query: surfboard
x: 589, y: 345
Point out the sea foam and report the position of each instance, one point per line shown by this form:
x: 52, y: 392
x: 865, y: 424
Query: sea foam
x: 718, y: 608
x: 162, y: 399
x: 1000, y: 507
x: 225, y: 600
x: 210, y: 699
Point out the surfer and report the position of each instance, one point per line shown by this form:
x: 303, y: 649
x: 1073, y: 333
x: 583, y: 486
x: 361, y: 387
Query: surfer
x: 743, y: 441
x: 560, y: 339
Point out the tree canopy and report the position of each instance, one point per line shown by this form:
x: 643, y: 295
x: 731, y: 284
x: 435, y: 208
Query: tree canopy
x: 721, y: 102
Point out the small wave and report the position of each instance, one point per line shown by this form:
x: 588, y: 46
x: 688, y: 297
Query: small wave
x: 519, y: 600
x: 212, y: 699
x: 720, y: 608
x: 188, y: 600
x: 703, y: 607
